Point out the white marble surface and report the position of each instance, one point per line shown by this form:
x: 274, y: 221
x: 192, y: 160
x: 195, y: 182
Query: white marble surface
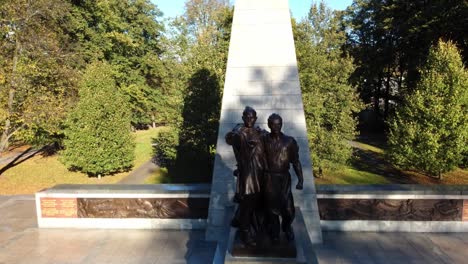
x: 394, y: 226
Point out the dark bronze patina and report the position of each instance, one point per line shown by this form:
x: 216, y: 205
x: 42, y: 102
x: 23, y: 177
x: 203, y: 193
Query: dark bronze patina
x: 263, y: 188
x: 281, y: 151
x: 180, y: 208
x: 390, y: 209
x: 247, y: 143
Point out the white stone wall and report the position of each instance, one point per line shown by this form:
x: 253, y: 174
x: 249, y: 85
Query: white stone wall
x: 261, y: 73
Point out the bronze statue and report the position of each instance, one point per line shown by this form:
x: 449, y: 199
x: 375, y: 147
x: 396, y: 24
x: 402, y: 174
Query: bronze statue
x: 263, y: 188
x: 281, y: 151
x: 247, y: 143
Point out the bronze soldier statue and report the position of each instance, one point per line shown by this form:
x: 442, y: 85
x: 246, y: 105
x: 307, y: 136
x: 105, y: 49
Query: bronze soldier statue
x: 281, y: 151
x: 249, y: 151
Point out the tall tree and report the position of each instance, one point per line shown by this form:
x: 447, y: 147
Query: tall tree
x: 430, y: 131
x: 126, y: 34
x: 203, y: 34
x: 329, y: 100
x: 36, y: 77
x: 390, y: 39
x: 98, y: 139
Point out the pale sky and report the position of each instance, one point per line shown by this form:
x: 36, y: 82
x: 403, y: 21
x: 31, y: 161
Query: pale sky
x: 299, y: 8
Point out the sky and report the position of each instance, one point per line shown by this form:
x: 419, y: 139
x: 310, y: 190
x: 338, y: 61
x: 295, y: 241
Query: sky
x: 299, y: 8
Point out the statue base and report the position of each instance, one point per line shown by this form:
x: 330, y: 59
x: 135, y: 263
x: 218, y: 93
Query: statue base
x: 266, y: 251
x: 265, y: 247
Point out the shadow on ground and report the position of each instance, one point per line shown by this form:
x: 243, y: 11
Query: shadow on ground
x: 20, y: 158
x: 375, y: 162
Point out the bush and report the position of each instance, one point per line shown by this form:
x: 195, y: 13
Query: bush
x: 165, y: 147
x: 97, y: 138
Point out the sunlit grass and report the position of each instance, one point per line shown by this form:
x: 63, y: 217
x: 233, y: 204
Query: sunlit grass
x: 143, y: 148
x: 40, y: 172
x: 368, y: 147
x: 349, y: 175
x: 159, y: 176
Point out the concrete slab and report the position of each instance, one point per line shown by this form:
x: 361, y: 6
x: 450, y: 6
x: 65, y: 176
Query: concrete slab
x: 25, y: 244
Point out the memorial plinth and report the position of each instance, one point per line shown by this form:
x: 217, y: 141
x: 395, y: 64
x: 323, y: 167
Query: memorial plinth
x: 163, y: 206
x: 261, y: 73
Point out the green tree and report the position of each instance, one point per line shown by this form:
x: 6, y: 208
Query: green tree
x: 193, y: 100
x: 37, y: 79
x: 126, y: 34
x: 329, y: 100
x: 390, y: 40
x: 98, y: 139
x: 430, y: 130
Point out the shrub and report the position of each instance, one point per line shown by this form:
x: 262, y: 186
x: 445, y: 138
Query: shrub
x: 98, y: 139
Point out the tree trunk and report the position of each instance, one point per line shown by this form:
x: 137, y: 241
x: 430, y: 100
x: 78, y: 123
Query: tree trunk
x: 153, y: 119
x: 4, y: 141
x: 377, y: 98
x: 387, y: 95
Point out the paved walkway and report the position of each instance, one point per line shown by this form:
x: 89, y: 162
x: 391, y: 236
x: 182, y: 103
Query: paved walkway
x: 22, y: 242
x: 139, y: 175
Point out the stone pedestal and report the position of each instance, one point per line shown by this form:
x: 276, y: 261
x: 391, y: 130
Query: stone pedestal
x: 117, y: 206
x: 264, y: 247
x: 261, y: 73
x: 265, y: 251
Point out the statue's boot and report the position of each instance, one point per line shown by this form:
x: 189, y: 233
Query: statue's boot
x: 274, y: 233
x: 289, y: 233
x: 247, y: 239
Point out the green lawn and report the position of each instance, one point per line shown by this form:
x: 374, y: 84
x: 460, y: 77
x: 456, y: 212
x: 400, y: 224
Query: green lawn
x: 160, y: 176
x: 370, y: 166
x: 143, y: 148
x: 41, y: 172
x: 349, y: 175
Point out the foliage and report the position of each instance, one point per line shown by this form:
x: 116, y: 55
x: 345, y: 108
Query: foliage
x: 165, y: 147
x: 430, y: 130
x: 329, y: 101
x: 36, y: 77
x: 390, y: 40
x: 192, y: 102
x: 126, y: 34
x: 98, y: 139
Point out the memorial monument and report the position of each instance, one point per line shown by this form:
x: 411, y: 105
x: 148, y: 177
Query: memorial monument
x: 261, y: 73
x: 263, y: 189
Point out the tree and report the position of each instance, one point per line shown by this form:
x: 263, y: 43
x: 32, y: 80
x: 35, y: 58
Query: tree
x: 430, y: 130
x: 202, y: 37
x: 126, y: 34
x: 98, y: 139
x: 36, y: 77
x: 389, y: 41
x: 329, y: 100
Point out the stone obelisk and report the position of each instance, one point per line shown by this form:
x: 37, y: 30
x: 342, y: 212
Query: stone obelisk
x: 261, y: 73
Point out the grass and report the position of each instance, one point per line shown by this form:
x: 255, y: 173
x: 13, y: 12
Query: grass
x: 159, y: 176
x: 367, y: 147
x: 349, y: 175
x: 455, y: 177
x: 41, y: 172
x: 370, y: 166
x: 143, y: 148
